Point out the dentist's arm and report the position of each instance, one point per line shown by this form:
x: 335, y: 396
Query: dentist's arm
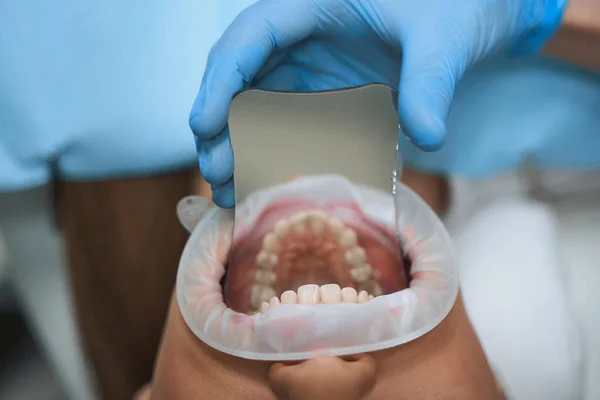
x: 578, y: 39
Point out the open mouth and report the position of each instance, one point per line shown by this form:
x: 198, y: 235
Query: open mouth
x: 302, y: 251
x: 314, y: 265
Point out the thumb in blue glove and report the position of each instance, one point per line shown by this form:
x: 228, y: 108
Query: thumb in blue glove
x: 422, y: 48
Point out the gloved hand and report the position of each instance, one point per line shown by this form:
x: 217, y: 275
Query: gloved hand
x: 308, y: 45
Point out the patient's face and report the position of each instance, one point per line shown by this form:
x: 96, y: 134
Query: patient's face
x: 298, y: 254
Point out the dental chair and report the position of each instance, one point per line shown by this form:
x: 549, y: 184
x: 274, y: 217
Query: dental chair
x: 508, y: 251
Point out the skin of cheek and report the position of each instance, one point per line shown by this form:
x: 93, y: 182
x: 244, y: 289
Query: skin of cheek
x: 447, y: 363
x: 189, y: 369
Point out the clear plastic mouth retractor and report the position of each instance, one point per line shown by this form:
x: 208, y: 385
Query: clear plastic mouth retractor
x: 340, y: 146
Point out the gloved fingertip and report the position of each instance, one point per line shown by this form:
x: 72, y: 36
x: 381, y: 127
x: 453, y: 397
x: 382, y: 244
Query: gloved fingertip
x: 215, y: 158
x: 429, y: 143
x: 203, y: 163
x: 205, y: 128
x: 204, y: 122
x: 196, y: 124
x: 423, y: 125
x: 215, y: 176
x: 426, y: 135
x: 195, y: 119
x: 223, y: 195
x: 215, y: 172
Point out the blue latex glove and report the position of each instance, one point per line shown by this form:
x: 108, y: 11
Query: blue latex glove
x: 308, y: 45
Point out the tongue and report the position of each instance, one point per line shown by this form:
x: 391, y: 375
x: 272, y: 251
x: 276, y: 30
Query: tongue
x: 294, y: 243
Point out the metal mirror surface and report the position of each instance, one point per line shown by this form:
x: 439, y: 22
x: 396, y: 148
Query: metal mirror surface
x: 276, y: 136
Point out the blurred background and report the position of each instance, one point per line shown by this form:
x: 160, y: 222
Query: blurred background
x: 41, y: 352
x: 96, y: 151
x: 24, y: 371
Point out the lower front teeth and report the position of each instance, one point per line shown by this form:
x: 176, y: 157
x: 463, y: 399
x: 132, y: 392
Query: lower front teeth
x: 313, y: 294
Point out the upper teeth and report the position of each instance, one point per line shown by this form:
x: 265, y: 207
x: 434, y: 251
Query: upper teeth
x: 315, y: 222
x: 362, y: 273
x: 266, y: 260
x: 282, y: 227
x: 348, y: 238
x: 266, y: 277
x: 355, y: 256
x: 260, y: 294
x: 271, y: 243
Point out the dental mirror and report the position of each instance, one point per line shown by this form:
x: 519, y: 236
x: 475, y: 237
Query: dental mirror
x: 277, y: 136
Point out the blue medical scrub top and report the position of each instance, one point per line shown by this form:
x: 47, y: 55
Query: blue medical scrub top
x: 105, y: 88
x: 507, y: 110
